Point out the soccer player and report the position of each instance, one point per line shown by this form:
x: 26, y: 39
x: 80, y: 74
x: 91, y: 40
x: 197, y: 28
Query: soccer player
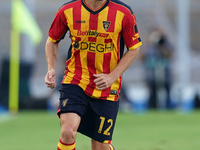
x: 90, y: 89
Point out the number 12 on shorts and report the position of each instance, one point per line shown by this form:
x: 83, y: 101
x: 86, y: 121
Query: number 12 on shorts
x: 106, y: 132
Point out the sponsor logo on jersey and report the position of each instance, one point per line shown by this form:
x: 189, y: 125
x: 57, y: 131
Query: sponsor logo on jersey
x: 92, y: 33
x: 94, y: 47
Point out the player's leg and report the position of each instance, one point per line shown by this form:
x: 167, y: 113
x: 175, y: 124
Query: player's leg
x: 69, y: 125
x: 71, y: 108
x: 101, y: 146
x: 111, y: 147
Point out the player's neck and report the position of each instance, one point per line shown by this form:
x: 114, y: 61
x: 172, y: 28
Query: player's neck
x: 94, y: 4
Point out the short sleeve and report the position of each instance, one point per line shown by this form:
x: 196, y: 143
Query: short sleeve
x: 58, y: 27
x: 130, y: 32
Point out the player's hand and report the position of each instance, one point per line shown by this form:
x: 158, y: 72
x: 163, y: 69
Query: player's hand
x: 103, y: 81
x: 50, y: 79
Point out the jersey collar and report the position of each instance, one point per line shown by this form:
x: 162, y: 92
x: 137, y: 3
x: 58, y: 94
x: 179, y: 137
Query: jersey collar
x: 94, y: 11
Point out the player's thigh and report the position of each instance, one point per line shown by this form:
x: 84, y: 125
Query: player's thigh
x: 73, y: 103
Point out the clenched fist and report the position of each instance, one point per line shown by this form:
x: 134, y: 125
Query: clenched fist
x: 50, y: 79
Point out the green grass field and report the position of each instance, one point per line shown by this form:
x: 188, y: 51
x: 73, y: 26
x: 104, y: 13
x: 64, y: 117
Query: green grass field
x: 40, y: 130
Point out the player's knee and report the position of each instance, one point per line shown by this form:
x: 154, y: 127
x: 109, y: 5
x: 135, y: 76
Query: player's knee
x: 68, y: 133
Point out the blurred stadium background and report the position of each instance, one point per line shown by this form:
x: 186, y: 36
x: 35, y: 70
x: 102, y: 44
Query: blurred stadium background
x: 183, y: 35
x: 178, y: 19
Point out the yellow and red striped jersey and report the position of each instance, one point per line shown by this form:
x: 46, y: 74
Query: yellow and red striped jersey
x: 97, y: 42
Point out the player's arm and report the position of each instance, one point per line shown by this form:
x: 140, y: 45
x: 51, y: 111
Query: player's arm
x: 104, y: 81
x: 56, y: 33
x: 51, y: 50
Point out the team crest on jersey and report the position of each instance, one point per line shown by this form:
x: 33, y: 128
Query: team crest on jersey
x: 106, y: 25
